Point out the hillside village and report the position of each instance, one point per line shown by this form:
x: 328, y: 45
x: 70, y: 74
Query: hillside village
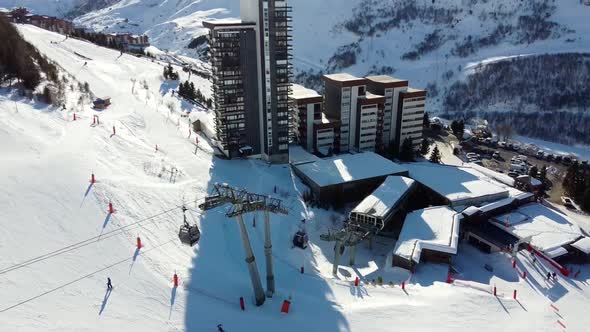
x: 130, y: 187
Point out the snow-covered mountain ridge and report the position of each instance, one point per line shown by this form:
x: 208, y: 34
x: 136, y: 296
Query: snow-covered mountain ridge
x: 429, y: 42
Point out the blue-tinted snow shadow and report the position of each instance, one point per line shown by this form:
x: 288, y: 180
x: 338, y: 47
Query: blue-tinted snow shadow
x: 86, y: 194
x: 104, y: 301
x: 106, y: 221
x: 135, y: 255
x: 168, y: 85
x: 219, y: 276
x: 172, y: 300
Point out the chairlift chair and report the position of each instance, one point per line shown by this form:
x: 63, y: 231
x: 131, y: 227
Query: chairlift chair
x: 300, y: 239
x: 189, y: 234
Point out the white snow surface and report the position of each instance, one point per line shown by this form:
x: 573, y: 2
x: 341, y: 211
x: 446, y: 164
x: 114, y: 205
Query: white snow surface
x: 583, y: 245
x: 47, y: 205
x: 435, y: 228
x: 385, y: 197
x: 349, y: 167
x: 461, y: 185
x: 548, y: 228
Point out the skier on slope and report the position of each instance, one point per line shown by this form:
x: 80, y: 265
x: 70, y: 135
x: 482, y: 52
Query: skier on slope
x: 109, y: 285
x: 554, y: 275
x: 220, y: 328
x: 548, y: 275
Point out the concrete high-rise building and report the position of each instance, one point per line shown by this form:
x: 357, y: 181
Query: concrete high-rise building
x: 390, y: 88
x: 410, y: 116
x: 360, y: 113
x: 311, y: 128
x: 251, y: 74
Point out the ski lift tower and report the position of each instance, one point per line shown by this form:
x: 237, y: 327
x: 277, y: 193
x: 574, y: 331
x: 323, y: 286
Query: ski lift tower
x: 351, y: 235
x: 244, y: 202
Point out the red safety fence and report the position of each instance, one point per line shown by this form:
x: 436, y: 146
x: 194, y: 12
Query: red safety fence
x: 553, y: 263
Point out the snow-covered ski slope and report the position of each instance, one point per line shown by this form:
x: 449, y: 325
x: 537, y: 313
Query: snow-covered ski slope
x: 58, y: 244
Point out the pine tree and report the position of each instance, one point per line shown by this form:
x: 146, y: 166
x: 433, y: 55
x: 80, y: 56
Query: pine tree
x: 569, y: 180
x: 407, y: 150
x: 435, y: 155
x: 193, y: 92
x: 534, y: 171
x: 585, y: 204
x: 543, y: 174
x: 424, y: 147
x: 426, y: 120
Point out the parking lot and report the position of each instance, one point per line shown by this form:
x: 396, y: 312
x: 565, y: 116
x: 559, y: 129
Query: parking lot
x: 499, y: 157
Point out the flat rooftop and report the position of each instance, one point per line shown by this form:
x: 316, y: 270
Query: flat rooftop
x: 435, y: 228
x: 370, y: 96
x: 548, y: 228
x: 385, y: 79
x: 412, y: 90
x: 348, y: 168
x: 342, y: 77
x: 461, y: 185
x: 386, y: 197
x: 301, y: 92
x: 225, y: 22
x: 298, y: 155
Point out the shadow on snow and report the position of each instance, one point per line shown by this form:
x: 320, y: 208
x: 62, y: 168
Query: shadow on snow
x: 219, y: 275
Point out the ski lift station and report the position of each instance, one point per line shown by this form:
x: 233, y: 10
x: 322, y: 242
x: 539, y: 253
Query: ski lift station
x: 455, y: 203
x: 347, y: 177
x: 430, y: 234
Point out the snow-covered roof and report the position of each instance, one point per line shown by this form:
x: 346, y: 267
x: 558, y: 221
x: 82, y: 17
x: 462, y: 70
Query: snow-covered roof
x: 298, y: 155
x: 460, y: 185
x: 583, y: 245
x: 413, y: 90
x: 384, y: 79
x: 370, y: 96
x: 496, y: 205
x: 500, y: 177
x: 349, y: 167
x: 547, y: 228
x: 342, y: 77
x: 386, y: 197
x: 555, y: 252
x: 301, y: 92
x: 435, y: 228
x: 470, y: 211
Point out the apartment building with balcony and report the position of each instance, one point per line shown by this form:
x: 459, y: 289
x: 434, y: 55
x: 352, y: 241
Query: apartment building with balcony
x: 311, y: 128
x: 390, y: 88
x: 410, y: 116
x: 251, y: 73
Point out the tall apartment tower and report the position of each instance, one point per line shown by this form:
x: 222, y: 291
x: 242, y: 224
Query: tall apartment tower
x: 251, y: 75
x: 360, y: 113
x: 390, y: 88
x: 410, y: 116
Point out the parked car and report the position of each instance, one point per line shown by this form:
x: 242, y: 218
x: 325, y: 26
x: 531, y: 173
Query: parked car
x: 472, y: 155
x: 496, y: 155
x: 540, y: 154
x: 567, y: 160
x: 550, y: 157
x: 519, y: 168
x: 558, y: 158
x: 567, y: 202
x: 502, y: 144
x: 513, y: 174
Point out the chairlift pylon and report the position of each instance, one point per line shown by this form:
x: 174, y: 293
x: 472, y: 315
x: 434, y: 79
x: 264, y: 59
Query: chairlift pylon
x: 188, y: 234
